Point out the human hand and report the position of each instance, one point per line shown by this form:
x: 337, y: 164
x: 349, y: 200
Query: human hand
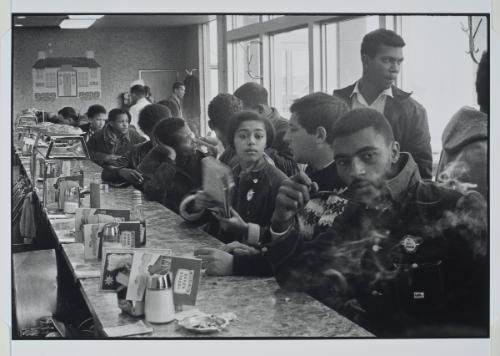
x: 234, y: 225
x: 216, y: 262
x: 238, y: 248
x: 203, y: 200
x: 115, y: 160
x: 293, y: 195
x: 210, y: 143
x: 131, y: 175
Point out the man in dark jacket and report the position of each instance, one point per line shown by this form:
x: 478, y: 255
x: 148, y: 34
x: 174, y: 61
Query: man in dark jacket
x: 405, y: 258
x: 464, y: 159
x: 149, y: 117
x: 382, y: 55
x: 254, y: 98
x: 111, y: 145
x: 174, y: 101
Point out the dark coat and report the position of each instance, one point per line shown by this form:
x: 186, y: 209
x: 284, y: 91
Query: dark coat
x: 253, y: 198
x: 408, y: 119
x: 166, y: 181
x: 280, y: 151
x: 175, y: 106
x: 134, y: 158
x: 465, y: 149
x: 414, y: 266
x: 100, y: 146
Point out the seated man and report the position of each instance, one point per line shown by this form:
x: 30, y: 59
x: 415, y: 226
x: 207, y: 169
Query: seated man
x: 405, y: 258
x: 255, y: 98
x: 220, y: 110
x: 310, y: 139
x: 67, y: 116
x: 111, y: 145
x: 173, y: 167
x: 149, y: 117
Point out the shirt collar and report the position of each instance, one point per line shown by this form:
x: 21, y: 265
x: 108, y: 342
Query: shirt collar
x: 386, y: 92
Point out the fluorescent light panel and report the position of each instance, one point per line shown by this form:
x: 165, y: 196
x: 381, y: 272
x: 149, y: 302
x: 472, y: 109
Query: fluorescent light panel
x: 75, y: 24
x: 85, y: 17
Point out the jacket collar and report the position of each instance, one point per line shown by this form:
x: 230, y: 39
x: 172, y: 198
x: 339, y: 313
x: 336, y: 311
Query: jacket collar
x: 111, y: 136
x: 396, y: 188
x: 346, y: 93
x: 259, y: 166
x: 407, y: 177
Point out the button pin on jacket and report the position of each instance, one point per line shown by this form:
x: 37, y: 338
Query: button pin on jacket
x: 410, y: 244
x: 250, y: 194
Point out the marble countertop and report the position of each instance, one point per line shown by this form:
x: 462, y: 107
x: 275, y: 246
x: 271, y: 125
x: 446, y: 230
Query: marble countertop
x: 261, y: 307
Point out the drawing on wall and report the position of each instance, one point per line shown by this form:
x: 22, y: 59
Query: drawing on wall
x: 55, y: 77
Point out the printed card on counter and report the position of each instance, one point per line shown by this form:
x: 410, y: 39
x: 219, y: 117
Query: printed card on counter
x: 130, y: 234
x: 96, y: 216
x: 115, y: 261
x: 186, y: 276
x: 128, y: 329
x: 91, y: 240
x: 146, y: 262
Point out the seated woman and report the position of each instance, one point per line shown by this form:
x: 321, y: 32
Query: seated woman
x: 256, y: 184
x: 111, y: 145
x: 173, y: 167
x: 149, y: 117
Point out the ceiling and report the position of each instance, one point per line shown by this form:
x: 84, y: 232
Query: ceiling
x: 110, y: 21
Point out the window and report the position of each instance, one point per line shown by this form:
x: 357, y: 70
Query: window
x: 342, y: 43
x: 83, y: 79
x: 290, y: 68
x: 39, y: 74
x: 246, y: 64
x: 242, y: 20
x: 213, y: 68
x: 50, y: 79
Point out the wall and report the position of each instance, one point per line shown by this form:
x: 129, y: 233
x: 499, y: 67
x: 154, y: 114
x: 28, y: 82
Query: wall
x: 437, y: 68
x: 121, y: 53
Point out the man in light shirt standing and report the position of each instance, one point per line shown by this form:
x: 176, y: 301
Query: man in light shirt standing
x: 138, y: 96
x: 382, y: 55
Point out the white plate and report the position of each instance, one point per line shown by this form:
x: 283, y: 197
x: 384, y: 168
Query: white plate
x: 204, y: 324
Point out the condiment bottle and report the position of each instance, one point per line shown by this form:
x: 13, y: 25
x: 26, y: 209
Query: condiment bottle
x: 137, y: 214
x: 159, y: 300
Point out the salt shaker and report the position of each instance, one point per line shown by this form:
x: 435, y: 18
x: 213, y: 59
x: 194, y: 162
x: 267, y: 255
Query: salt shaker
x: 159, y: 300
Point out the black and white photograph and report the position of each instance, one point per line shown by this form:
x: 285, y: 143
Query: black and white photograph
x: 329, y: 171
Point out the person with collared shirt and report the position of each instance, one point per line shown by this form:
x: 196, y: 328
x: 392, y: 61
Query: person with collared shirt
x: 382, y: 55
x: 406, y: 257
x: 139, y: 101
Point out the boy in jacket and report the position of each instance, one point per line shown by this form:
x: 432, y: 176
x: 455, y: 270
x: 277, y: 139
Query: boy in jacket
x: 405, y: 258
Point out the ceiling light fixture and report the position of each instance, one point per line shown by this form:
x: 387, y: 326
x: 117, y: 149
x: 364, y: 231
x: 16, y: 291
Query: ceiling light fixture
x: 18, y: 25
x: 20, y: 17
x: 76, y: 24
x: 85, y: 17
